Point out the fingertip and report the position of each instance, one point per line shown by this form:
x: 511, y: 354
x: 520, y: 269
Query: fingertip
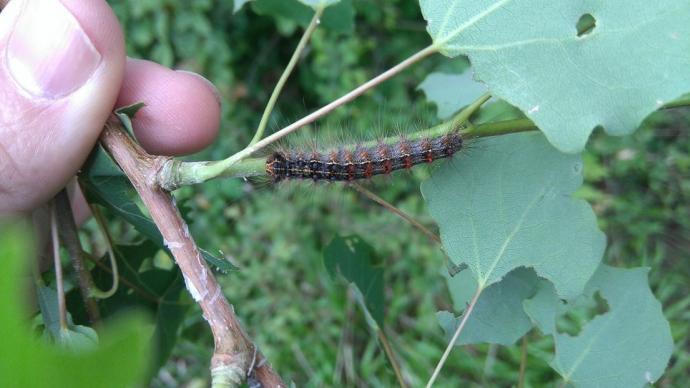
x: 101, y: 25
x: 182, y: 112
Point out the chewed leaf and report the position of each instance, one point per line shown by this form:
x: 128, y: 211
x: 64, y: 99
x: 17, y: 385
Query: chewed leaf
x: 543, y: 307
x: 628, y: 346
x: 357, y: 262
x: 510, y: 205
x: 498, y: 316
x: 571, y: 66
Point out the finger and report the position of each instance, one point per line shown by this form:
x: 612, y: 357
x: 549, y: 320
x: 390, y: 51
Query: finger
x: 182, y: 111
x: 63, y: 63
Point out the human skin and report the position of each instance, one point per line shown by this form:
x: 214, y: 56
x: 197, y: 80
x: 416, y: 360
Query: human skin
x: 63, y: 69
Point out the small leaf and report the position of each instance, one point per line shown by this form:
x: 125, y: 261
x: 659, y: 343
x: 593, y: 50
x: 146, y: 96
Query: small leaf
x: 127, y: 113
x: 629, y: 346
x: 632, y: 59
x: 450, y: 92
x: 79, y: 339
x: 498, y: 316
x: 511, y: 206
x: 357, y: 262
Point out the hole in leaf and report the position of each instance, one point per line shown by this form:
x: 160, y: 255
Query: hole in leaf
x: 585, y: 24
x: 581, y: 311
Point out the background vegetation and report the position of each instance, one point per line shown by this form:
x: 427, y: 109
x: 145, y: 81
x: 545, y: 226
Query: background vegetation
x: 309, y: 326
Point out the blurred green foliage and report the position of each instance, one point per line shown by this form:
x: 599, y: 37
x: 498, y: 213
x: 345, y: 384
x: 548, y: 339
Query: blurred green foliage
x: 309, y: 327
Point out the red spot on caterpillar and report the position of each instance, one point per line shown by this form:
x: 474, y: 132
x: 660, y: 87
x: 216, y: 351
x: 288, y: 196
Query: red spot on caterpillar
x: 426, y: 150
x: 361, y: 162
x: 405, y: 151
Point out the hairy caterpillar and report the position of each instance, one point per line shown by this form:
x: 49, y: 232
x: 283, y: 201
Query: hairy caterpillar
x: 361, y: 162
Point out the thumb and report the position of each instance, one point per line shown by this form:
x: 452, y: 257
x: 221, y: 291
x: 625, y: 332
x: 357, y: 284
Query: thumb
x: 61, y: 66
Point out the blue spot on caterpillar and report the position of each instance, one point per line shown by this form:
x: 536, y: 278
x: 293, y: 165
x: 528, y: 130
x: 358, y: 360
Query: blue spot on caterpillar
x: 361, y: 162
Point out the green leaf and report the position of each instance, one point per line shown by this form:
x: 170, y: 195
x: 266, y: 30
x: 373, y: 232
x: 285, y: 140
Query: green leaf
x: 127, y: 113
x: 358, y: 263
x: 498, y: 316
x: 450, y: 92
x: 74, y: 337
x: 105, y: 184
x: 340, y: 17
x: 119, y: 360
x: 169, y: 316
x: 510, y: 205
x: 629, y: 346
x: 529, y: 53
x: 162, y: 297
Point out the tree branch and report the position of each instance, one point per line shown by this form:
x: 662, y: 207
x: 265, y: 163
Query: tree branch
x: 234, y: 355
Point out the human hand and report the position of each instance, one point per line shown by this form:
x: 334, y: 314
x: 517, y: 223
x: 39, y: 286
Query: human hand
x: 63, y: 69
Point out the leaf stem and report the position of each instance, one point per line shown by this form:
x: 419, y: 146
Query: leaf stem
x: 60, y: 289
x: 500, y: 128
x: 682, y: 102
x: 286, y: 74
x: 433, y: 237
x: 97, y: 293
x: 391, y: 357
x: 523, y: 362
x: 467, y: 313
x: 381, y: 336
x: 173, y: 175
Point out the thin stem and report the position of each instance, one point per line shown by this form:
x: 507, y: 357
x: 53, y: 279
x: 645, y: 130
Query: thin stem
x: 173, y: 175
x: 97, y: 293
x: 391, y: 356
x: 70, y: 238
x: 142, y: 293
x: 679, y: 103
x: 500, y: 128
x: 523, y: 362
x: 466, y: 113
x: 467, y: 313
x: 335, y: 104
x: 176, y: 173
x: 433, y: 237
x: 382, y: 337
x: 62, y: 310
x: 286, y: 74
